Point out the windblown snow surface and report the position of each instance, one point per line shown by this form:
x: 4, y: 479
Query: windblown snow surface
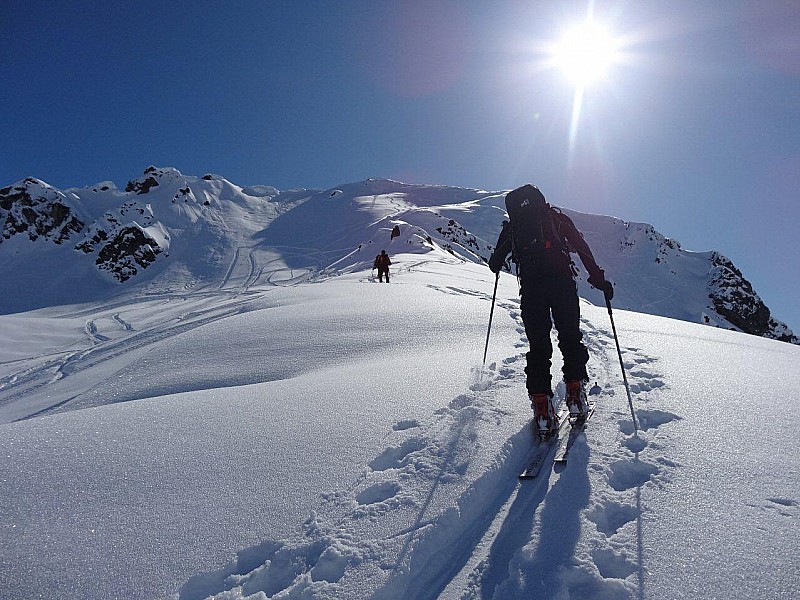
x: 329, y: 436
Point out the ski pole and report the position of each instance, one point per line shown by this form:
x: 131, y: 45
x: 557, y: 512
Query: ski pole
x: 621, y: 364
x: 491, y: 314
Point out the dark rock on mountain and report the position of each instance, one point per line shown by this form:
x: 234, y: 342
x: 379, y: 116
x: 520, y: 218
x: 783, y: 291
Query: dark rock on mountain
x: 40, y: 211
x: 735, y: 299
x: 36, y: 209
x: 129, y: 249
x: 141, y: 187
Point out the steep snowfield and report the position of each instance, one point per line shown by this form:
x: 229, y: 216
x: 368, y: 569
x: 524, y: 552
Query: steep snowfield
x: 333, y: 440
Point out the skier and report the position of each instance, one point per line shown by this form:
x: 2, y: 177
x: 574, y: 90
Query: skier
x: 382, y: 263
x: 540, y: 238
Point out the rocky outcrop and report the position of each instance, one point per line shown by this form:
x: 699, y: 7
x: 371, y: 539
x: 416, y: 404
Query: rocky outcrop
x: 123, y: 246
x: 128, y: 251
x: 141, y: 187
x: 733, y: 297
x: 454, y: 232
x: 38, y: 210
x: 151, y: 178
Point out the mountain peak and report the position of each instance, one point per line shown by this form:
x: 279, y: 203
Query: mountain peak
x: 153, y: 177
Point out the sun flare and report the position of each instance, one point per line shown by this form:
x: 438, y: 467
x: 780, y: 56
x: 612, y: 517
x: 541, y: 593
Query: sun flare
x: 585, y: 53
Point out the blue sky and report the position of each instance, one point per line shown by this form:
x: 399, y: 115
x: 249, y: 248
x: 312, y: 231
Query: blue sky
x: 697, y: 131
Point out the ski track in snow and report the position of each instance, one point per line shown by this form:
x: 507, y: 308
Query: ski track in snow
x: 230, y: 270
x: 91, y: 332
x: 125, y: 325
x: 19, y: 385
x: 574, y: 532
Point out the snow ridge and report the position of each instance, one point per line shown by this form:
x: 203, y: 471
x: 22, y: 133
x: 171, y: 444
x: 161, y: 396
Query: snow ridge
x: 169, y: 231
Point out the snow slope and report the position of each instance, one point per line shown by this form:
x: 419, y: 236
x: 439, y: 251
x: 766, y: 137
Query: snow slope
x: 333, y: 440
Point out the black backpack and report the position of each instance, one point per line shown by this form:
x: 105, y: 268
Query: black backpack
x: 534, y: 232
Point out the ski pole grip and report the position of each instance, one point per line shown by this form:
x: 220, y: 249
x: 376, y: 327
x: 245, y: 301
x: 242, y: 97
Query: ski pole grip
x: 608, y: 301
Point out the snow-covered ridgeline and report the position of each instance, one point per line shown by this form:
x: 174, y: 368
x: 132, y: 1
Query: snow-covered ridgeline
x: 169, y: 230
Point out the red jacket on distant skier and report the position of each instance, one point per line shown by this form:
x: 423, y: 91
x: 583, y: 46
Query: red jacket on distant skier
x: 382, y: 263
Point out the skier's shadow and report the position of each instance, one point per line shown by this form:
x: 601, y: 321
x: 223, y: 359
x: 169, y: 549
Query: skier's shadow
x: 559, y: 530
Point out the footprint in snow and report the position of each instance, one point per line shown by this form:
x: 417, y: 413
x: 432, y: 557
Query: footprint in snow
x: 629, y: 474
x: 405, y: 424
x: 784, y: 506
x: 648, y: 419
x: 480, y: 380
x: 276, y: 567
x: 643, y: 360
x: 380, y: 499
x: 646, y: 386
x: 394, y: 458
x: 642, y: 374
x: 460, y: 402
x: 379, y: 492
x: 635, y: 444
x: 610, y: 517
x: 651, y: 419
x: 612, y: 565
x: 784, y: 501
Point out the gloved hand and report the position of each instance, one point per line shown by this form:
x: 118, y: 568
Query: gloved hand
x: 598, y: 281
x: 608, y: 291
x: 496, y: 262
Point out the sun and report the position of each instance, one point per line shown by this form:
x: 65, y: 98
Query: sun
x: 585, y: 53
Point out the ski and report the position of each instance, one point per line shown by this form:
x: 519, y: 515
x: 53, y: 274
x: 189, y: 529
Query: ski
x: 542, y: 451
x: 566, y: 442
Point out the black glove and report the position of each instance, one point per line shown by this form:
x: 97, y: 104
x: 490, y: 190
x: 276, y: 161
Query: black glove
x: 598, y: 280
x: 608, y: 291
x: 496, y: 262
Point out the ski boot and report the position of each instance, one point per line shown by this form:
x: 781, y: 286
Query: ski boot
x: 576, y: 401
x: 545, y: 416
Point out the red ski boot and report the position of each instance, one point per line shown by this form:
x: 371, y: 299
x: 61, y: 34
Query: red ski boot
x: 544, y: 414
x: 576, y: 400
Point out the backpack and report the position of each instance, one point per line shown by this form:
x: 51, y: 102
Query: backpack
x: 536, y: 242
x: 382, y: 261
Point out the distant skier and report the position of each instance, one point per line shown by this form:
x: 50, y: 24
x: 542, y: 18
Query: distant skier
x: 540, y: 238
x: 395, y: 232
x: 382, y: 263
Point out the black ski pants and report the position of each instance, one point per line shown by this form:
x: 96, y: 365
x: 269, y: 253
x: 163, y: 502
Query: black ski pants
x: 541, y: 297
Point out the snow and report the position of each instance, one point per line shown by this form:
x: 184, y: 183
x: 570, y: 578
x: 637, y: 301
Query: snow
x: 316, y: 438
x: 281, y: 425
